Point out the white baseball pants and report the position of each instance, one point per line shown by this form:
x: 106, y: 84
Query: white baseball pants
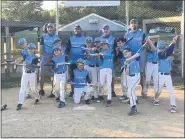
x: 132, y: 82
x: 93, y: 75
x: 81, y: 92
x: 167, y: 80
x: 28, y: 78
x: 123, y: 84
x: 59, y: 85
x: 106, y: 77
x: 28, y: 86
x: 151, y: 71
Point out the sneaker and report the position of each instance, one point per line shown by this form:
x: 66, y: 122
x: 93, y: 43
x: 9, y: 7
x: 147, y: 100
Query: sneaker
x: 41, y: 92
x: 87, y: 101
x: 36, y: 101
x: 173, y: 109
x: 92, y: 98
x: 28, y: 96
x: 71, y: 94
x: 3, y: 107
x: 126, y: 99
x: 61, y: 104
x: 114, y: 94
x: 156, y: 103
x: 108, y: 103
x: 100, y: 98
x: 19, y: 106
x: 51, y: 95
x: 122, y: 97
x: 133, y: 111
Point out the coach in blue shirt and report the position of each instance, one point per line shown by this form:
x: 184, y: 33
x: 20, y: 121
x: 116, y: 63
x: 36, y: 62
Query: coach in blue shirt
x: 135, y: 44
x: 112, y: 45
x: 46, y: 46
x: 74, y: 50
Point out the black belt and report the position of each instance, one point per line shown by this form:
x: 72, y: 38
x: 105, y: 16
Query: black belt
x: 153, y: 62
x: 93, y: 65
x: 165, y: 73
x: 29, y: 71
x: 60, y: 72
x: 132, y: 75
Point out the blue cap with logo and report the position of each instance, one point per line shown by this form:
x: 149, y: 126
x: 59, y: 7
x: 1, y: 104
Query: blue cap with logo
x: 161, y: 45
x: 89, y: 39
x: 21, y: 41
x: 31, y: 45
x: 104, y: 41
x: 80, y: 60
x: 57, y: 47
x: 97, y: 40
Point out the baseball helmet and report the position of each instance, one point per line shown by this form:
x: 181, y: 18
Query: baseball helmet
x: 21, y: 41
x: 89, y: 39
x: 31, y: 45
x: 161, y: 45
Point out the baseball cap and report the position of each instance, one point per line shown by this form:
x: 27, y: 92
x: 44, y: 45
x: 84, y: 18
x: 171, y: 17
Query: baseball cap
x: 21, y: 41
x: 133, y: 20
x: 89, y: 39
x: 31, y: 45
x: 77, y: 26
x: 105, y: 41
x: 97, y: 40
x: 161, y: 45
x: 57, y: 47
x: 106, y: 27
x: 51, y: 25
x: 57, y: 40
x: 80, y: 61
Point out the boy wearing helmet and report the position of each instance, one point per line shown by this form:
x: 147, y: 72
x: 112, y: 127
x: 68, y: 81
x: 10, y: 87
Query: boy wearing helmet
x: 29, y: 76
x: 59, y: 60
x: 80, y: 79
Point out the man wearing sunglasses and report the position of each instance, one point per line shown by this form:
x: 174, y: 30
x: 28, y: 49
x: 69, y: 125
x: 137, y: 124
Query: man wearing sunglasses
x: 74, y: 50
x: 135, y: 44
x: 112, y: 45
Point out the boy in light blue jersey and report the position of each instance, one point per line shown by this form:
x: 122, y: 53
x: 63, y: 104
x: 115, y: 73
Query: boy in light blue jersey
x: 80, y: 79
x: 106, y: 66
x: 164, y: 72
x: 132, y: 72
x: 29, y: 76
x: 59, y: 59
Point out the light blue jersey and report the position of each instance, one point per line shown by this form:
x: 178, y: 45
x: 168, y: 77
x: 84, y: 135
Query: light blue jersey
x: 111, y: 41
x: 56, y: 60
x: 24, y: 53
x: 106, y: 61
x: 31, y: 60
x: 133, y: 67
x: 165, y: 65
x: 152, y: 56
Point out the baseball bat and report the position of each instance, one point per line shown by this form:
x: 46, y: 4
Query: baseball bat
x: 34, y: 66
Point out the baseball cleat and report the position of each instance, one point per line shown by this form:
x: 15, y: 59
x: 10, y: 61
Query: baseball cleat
x: 61, y: 104
x: 137, y: 101
x: 41, y: 92
x: 19, y: 106
x: 173, y: 109
x: 36, y: 101
x: 57, y: 99
x: 126, y: 99
x: 133, y: 111
x: 108, y: 103
x: 92, y: 98
x: 3, y: 107
x: 156, y: 103
x: 71, y: 94
x: 28, y: 96
x: 87, y: 101
x: 100, y: 98
x: 51, y: 95
x: 144, y: 96
x: 122, y: 97
x: 114, y: 94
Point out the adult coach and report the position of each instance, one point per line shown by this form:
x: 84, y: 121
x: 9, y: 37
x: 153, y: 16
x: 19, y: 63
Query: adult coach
x: 112, y: 45
x: 135, y: 44
x: 74, y: 50
x: 46, y: 45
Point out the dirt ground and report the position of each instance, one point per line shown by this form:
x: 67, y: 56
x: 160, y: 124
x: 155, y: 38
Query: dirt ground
x: 94, y: 120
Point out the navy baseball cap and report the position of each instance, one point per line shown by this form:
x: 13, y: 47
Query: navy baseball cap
x: 106, y: 27
x: 31, y: 45
x: 51, y: 25
x: 21, y: 41
x: 133, y: 20
x: 77, y: 27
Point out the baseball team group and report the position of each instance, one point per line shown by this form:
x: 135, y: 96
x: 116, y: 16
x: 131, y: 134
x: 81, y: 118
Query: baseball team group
x: 88, y: 65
